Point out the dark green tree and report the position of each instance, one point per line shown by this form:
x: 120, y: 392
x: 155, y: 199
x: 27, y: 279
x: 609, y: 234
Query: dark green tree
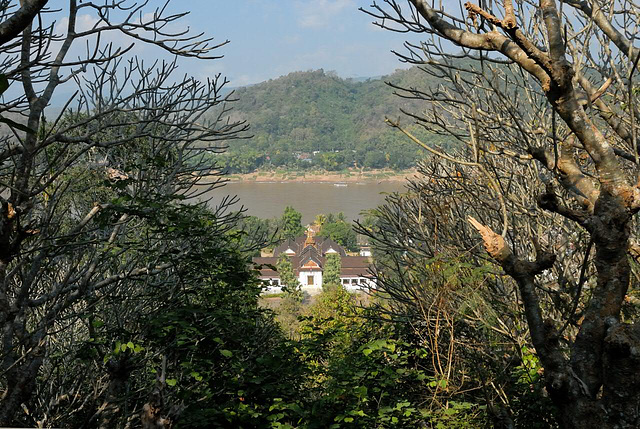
x: 339, y: 230
x: 291, y: 223
x: 91, y: 202
x: 331, y: 272
x: 290, y: 282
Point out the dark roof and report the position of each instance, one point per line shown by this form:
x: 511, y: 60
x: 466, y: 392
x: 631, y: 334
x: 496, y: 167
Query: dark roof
x: 310, y: 253
x: 351, y: 265
x: 289, y: 244
x: 355, y: 266
x: 264, y: 270
x: 297, y: 245
x: 355, y: 261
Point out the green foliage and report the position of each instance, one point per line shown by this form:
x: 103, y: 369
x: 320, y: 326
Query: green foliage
x: 331, y: 272
x: 290, y: 282
x: 253, y: 231
x: 530, y: 404
x: 291, y: 223
x: 339, y: 230
x: 318, y: 120
x: 362, y: 373
x: 230, y: 368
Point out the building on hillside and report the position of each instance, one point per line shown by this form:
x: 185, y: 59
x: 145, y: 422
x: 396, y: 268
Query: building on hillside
x: 308, y: 254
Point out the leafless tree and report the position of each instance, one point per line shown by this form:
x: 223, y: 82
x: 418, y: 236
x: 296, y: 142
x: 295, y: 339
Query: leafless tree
x: 82, y: 195
x: 541, y: 99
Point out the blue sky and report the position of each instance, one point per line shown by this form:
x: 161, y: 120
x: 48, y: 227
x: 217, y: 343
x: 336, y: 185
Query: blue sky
x: 270, y: 38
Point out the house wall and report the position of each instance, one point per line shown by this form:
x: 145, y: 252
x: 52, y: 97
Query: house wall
x: 272, y: 283
x: 354, y: 283
x: 317, y: 280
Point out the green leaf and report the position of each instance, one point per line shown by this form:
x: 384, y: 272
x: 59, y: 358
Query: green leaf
x: 226, y: 353
x: 171, y: 381
x: 130, y: 345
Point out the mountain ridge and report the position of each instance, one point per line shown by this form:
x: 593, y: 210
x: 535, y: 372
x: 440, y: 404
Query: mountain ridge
x: 309, y: 119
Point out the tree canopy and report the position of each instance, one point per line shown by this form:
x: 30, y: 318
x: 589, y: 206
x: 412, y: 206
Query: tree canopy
x: 331, y: 272
x: 540, y: 96
x: 315, y: 119
x: 339, y: 230
x: 291, y: 223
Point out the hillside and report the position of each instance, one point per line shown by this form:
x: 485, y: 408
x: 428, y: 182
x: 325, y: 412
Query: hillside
x: 317, y: 119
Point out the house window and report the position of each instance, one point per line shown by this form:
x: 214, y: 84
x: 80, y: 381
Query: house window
x: 345, y: 281
x: 310, y: 280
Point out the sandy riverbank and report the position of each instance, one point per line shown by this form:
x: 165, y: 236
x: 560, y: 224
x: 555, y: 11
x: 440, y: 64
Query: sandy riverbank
x: 354, y: 176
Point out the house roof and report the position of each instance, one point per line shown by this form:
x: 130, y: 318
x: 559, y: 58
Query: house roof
x: 350, y: 265
x: 297, y: 245
x: 309, y: 254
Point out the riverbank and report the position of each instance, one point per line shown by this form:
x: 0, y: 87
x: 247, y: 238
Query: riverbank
x: 352, y: 176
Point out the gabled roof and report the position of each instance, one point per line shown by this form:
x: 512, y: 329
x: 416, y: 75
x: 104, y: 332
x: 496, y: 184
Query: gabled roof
x: 355, y: 266
x: 312, y: 257
x: 309, y: 258
x: 297, y: 245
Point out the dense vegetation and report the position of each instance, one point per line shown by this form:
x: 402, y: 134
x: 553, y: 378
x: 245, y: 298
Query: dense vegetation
x: 126, y: 303
x: 333, y: 226
x: 316, y: 119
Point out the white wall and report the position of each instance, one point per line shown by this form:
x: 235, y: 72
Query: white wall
x: 317, y: 279
x: 361, y: 283
x: 271, y: 288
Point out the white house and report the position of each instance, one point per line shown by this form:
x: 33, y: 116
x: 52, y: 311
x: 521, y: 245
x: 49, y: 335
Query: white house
x: 308, y: 256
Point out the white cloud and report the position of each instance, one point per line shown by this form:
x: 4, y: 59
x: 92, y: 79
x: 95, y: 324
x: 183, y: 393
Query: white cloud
x: 319, y: 13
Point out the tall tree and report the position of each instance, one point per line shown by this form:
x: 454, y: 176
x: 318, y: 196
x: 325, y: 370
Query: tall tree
x: 288, y: 277
x: 331, y: 272
x: 542, y: 102
x: 291, y: 223
x: 88, y: 200
x: 339, y: 230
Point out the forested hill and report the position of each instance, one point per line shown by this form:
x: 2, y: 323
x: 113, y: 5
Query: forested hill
x: 317, y: 119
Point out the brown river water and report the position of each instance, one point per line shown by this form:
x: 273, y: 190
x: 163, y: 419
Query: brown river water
x: 268, y: 200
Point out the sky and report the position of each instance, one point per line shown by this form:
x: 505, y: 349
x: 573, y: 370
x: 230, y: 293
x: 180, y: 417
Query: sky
x: 270, y: 38
x: 267, y: 39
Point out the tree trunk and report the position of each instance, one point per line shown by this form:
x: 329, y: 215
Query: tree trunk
x: 21, y: 382
x: 604, y: 370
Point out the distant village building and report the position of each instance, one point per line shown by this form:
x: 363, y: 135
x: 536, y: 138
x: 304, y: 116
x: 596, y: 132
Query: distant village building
x: 308, y: 255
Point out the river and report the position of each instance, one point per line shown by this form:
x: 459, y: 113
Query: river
x: 268, y: 199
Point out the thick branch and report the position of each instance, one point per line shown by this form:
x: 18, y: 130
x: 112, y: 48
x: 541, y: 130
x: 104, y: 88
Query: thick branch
x: 524, y: 272
x: 23, y: 17
x: 492, y: 41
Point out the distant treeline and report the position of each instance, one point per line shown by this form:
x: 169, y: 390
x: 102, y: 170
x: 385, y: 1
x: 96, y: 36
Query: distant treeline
x: 289, y: 225
x: 317, y: 120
